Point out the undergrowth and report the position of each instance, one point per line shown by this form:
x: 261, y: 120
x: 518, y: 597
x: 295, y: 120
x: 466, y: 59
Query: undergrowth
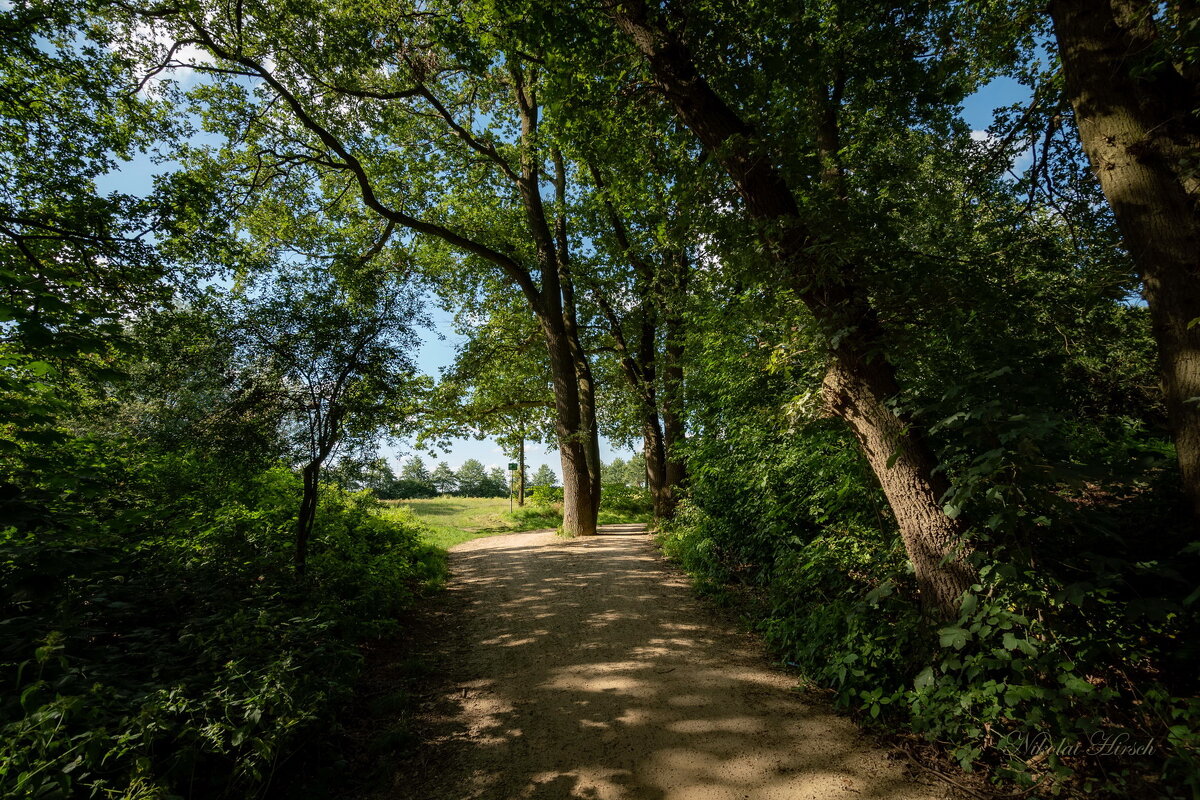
x: 161, y: 647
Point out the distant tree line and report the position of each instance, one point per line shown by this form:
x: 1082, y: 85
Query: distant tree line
x: 416, y: 480
x: 631, y: 473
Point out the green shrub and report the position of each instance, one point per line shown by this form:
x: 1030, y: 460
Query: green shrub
x: 166, y: 649
x: 545, y: 496
x: 622, y: 499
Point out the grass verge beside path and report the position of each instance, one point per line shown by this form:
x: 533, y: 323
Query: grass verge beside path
x: 454, y: 520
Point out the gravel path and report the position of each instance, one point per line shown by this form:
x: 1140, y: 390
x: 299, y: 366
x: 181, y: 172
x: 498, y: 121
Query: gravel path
x: 586, y: 668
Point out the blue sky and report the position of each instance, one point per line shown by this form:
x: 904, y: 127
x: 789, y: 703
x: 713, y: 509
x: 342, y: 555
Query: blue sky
x: 437, y: 350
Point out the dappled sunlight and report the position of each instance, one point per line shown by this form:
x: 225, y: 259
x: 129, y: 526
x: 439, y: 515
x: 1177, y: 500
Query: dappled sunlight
x: 586, y: 669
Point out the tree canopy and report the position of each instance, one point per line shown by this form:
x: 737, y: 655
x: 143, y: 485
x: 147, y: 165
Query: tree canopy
x: 917, y: 389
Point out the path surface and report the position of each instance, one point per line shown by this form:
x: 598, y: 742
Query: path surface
x: 586, y: 669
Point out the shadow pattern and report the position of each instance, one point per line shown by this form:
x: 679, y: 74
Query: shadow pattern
x: 587, y: 669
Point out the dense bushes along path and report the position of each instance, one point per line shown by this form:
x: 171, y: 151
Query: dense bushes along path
x: 585, y: 669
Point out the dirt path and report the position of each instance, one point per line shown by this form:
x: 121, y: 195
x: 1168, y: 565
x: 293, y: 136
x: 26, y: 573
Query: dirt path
x: 586, y: 669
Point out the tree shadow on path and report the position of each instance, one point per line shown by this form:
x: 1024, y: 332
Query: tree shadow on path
x: 586, y: 669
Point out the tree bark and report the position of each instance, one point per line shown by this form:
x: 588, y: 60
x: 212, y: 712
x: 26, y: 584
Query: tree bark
x: 656, y: 467
x: 671, y: 393
x: 575, y: 425
x: 521, y: 470
x: 307, y: 514
x: 579, y: 505
x: 1136, y: 116
x: 860, y: 379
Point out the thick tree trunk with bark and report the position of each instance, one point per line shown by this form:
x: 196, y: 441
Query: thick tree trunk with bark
x: 579, y: 501
x: 656, y: 467
x: 855, y: 389
x: 1135, y: 113
x: 860, y: 380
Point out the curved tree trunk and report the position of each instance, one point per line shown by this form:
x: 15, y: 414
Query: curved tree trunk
x: 860, y: 379
x: 1136, y: 118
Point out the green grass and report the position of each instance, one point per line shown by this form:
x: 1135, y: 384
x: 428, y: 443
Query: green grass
x: 459, y: 519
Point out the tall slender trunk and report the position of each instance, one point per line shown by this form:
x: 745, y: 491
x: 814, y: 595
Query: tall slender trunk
x: 307, y: 515
x: 589, y: 427
x: 860, y: 379
x: 521, y: 469
x: 671, y: 393
x: 579, y: 505
x: 1135, y: 112
x: 575, y: 416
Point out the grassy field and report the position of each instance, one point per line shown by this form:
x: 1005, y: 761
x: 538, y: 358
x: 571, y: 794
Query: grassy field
x: 459, y: 519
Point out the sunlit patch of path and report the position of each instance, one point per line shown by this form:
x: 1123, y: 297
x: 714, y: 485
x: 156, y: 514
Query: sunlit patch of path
x: 585, y: 668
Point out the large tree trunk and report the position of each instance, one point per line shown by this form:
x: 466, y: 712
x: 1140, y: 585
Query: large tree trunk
x: 860, y: 380
x: 656, y: 467
x: 856, y: 388
x: 1135, y: 112
x: 574, y: 404
x: 589, y: 427
x: 579, y: 502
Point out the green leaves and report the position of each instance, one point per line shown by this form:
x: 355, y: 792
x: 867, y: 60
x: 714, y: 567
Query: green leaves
x: 953, y: 637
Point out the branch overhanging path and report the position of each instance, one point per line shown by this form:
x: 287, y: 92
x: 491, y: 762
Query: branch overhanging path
x: 586, y: 668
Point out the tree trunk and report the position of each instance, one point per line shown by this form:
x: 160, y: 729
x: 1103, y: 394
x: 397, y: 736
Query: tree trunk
x: 1136, y: 118
x: 671, y: 395
x: 521, y: 470
x: 656, y: 467
x: 579, y: 505
x: 589, y: 427
x: 860, y: 379
x: 855, y: 390
x: 307, y: 515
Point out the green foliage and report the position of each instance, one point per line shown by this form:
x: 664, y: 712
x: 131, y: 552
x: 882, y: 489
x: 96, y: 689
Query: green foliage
x: 543, y: 496
x: 153, y: 661
x: 544, y: 477
x: 624, y: 499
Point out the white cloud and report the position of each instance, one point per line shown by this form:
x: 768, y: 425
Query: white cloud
x: 981, y: 136
x: 154, y: 42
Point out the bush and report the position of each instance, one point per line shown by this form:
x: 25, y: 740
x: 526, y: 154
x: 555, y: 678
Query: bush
x: 545, y: 496
x: 164, y: 651
x: 622, y: 499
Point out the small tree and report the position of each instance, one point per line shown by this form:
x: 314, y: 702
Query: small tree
x: 377, y: 476
x: 415, y: 470
x: 443, y: 479
x: 472, y: 479
x: 415, y: 480
x: 544, y: 477
x: 497, y: 483
x: 614, y: 472
x: 339, y: 363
